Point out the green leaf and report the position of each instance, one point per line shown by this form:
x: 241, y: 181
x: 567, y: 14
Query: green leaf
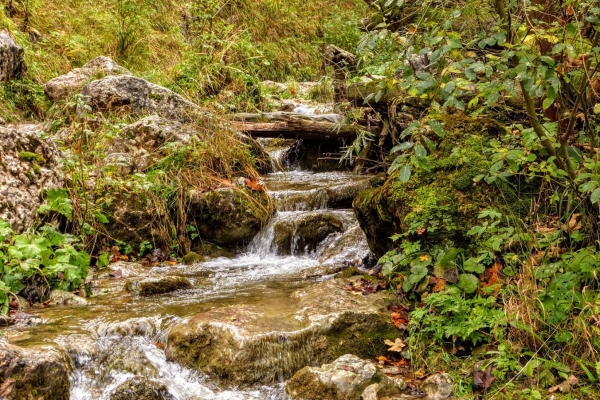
x: 437, y: 128
x: 420, y: 151
x: 595, y: 196
x: 471, y: 265
x: 402, y: 147
x: 102, y: 218
x: 5, y: 230
x: 404, y: 174
x: 468, y: 282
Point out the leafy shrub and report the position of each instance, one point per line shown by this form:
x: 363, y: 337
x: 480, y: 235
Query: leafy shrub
x: 48, y: 254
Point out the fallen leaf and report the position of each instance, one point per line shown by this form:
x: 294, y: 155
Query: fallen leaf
x: 396, y: 345
x: 483, y: 379
x: 440, y: 286
x: 565, y: 387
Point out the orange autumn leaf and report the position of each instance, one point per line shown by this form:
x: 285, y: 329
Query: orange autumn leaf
x: 440, y: 286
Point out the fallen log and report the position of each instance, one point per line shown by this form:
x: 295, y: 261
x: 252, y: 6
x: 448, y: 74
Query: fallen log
x: 295, y: 126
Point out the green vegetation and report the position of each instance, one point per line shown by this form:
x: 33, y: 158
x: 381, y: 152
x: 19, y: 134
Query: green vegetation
x: 518, y: 290
x: 42, y: 259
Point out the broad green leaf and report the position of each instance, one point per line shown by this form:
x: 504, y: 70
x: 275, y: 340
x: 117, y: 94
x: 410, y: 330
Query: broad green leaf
x: 404, y: 174
x: 595, y: 196
x: 468, y: 282
x: 420, y: 151
x: 437, y: 128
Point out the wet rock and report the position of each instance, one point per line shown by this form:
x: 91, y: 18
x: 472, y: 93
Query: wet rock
x: 32, y: 374
x: 341, y: 196
x: 344, y: 379
x: 141, y: 388
x: 438, y: 386
x: 229, y: 217
x: 162, y: 285
x: 12, y: 64
x: 192, y: 258
x: 133, y: 220
x: 5, y: 320
x: 303, y: 235
x: 141, y: 144
x: 28, y: 164
x: 245, y: 345
x: 64, y: 298
x: 131, y: 94
x: 61, y: 87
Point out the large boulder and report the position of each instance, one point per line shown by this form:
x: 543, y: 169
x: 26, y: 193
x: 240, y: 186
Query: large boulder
x: 62, y: 86
x: 344, y: 379
x: 229, y: 216
x: 28, y: 164
x: 245, y: 345
x: 130, y: 94
x: 32, y: 374
x: 12, y: 64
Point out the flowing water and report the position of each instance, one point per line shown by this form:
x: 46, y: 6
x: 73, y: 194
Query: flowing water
x: 120, y: 335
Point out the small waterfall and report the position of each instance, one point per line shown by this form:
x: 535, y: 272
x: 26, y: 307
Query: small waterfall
x: 119, y: 339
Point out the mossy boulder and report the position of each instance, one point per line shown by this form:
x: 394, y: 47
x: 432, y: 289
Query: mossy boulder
x: 36, y: 374
x: 303, y: 235
x: 246, y: 345
x: 438, y: 206
x: 344, y: 379
x: 229, y: 217
x: 160, y: 285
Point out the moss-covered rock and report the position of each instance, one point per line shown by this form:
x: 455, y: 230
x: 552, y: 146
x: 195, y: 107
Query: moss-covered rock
x: 245, y: 345
x: 229, y: 217
x: 32, y: 374
x: 437, y: 206
x: 192, y: 258
x: 305, y: 233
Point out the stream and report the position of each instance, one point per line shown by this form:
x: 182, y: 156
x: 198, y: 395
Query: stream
x: 121, y: 335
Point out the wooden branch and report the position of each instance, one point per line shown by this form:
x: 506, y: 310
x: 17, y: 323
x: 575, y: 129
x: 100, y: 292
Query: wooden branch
x: 295, y: 126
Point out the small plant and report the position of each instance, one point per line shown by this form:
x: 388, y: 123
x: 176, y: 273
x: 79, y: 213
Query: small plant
x: 45, y: 255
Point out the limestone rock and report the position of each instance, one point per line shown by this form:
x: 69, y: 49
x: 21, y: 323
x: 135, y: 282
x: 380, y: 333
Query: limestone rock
x: 12, y: 64
x: 32, y: 374
x: 141, y: 144
x: 131, y: 94
x: 245, y: 345
x: 344, y: 379
x: 28, y: 164
x: 141, y: 388
x: 64, y: 298
x: 62, y: 86
x: 438, y: 386
x: 161, y: 285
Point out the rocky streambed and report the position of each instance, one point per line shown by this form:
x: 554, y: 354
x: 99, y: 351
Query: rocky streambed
x: 228, y: 327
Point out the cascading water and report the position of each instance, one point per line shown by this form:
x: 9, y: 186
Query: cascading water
x: 121, y: 337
